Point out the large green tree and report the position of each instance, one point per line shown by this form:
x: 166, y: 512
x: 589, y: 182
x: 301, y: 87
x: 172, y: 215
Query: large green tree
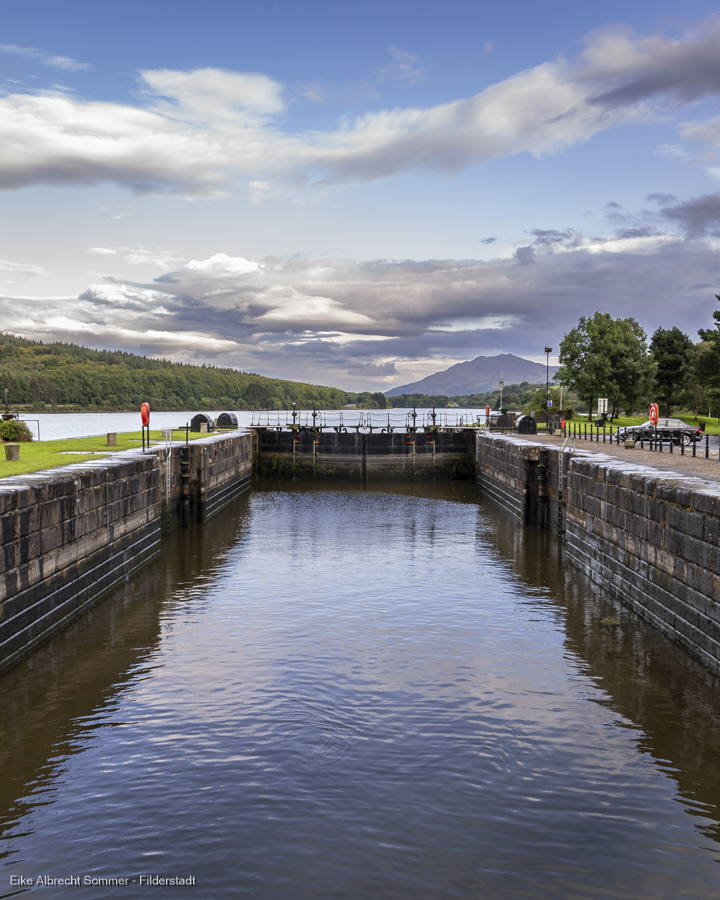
x: 606, y: 357
x: 708, y: 359
x: 707, y: 362
x: 673, y: 354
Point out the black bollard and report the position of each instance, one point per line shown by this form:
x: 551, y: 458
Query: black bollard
x: 694, y: 445
x: 707, y: 446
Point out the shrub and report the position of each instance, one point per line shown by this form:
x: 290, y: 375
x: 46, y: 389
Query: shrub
x: 15, y: 430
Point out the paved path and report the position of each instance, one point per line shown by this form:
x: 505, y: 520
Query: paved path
x: 675, y: 462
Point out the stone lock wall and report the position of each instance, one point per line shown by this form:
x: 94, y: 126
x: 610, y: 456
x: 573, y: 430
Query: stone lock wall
x: 648, y: 536
x: 70, y: 535
x: 522, y: 476
x: 651, y: 539
x: 220, y: 468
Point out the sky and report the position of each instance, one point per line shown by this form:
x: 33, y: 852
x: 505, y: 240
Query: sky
x: 355, y: 195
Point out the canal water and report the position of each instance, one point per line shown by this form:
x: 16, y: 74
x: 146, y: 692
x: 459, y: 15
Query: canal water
x: 393, y: 693
x: 57, y: 426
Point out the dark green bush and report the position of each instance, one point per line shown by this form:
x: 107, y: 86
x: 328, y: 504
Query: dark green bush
x: 15, y: 430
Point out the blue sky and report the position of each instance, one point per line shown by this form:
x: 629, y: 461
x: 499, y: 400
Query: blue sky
x: 356, y: 195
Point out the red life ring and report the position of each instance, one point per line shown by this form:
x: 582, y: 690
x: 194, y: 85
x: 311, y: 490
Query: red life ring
x: 654, y: 413
x: 145, y: 413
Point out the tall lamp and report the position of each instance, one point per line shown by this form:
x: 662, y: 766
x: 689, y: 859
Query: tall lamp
x: 501, y: 385
x: 548, y: 351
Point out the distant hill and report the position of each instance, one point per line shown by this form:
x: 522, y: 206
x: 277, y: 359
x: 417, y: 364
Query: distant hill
x: 477, y: 375
x: 65, y: 376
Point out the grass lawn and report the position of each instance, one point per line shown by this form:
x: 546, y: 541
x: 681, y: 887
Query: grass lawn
x: 38, y: 455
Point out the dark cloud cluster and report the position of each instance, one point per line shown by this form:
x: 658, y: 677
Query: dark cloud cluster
x: 636, y: 70
x: 697, y: 217
x: 359, y: 324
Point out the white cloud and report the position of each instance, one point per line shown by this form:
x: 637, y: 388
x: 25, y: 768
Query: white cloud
x: 214, y: 95
x: 15, y: 268
x: 221, y: 264
x: 702, y: 133
x: 403, y: 66
x: 139, y: 256
x: 45, y: 59
x: 199, y: 131
x: 292, y: 308
x: 142, y: 256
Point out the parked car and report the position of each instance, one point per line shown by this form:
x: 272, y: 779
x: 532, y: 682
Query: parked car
x: 674, y: 430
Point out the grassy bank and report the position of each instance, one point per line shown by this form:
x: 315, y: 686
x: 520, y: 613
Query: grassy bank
x: 39, y: 455
x: 711, y: 425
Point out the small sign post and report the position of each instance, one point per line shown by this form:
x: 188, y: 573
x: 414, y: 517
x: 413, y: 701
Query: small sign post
x: 654, y: 416
x: 145, y: 418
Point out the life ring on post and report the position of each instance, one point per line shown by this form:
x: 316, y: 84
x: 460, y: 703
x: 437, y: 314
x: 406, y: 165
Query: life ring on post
x: 654, y: 414
x: 145, y: 414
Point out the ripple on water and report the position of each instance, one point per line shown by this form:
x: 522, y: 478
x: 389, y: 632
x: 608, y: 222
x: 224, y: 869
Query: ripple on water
x: 341, y: 694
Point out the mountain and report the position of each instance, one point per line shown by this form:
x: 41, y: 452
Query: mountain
x: 476, y: 376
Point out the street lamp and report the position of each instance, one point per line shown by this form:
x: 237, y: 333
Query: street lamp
x: 501, y: 385
x: 548, y: 351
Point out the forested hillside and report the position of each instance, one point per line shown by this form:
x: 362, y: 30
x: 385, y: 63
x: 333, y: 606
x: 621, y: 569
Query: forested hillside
x: 52, y: 376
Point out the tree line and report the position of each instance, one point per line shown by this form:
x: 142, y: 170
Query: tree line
x: 606, y: 357
x: 60, y: 375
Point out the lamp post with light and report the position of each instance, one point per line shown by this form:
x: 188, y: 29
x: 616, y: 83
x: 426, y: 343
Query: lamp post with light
x: 548, y: 351
x: 501, y: 385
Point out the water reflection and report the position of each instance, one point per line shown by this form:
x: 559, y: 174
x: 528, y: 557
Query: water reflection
x: 653, y: 684
x: 364, y: 692
x: 52, y: 701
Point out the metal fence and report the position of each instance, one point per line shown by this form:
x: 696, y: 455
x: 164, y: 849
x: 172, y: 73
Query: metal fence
x: 659, y: 443
x: 368, y: 420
